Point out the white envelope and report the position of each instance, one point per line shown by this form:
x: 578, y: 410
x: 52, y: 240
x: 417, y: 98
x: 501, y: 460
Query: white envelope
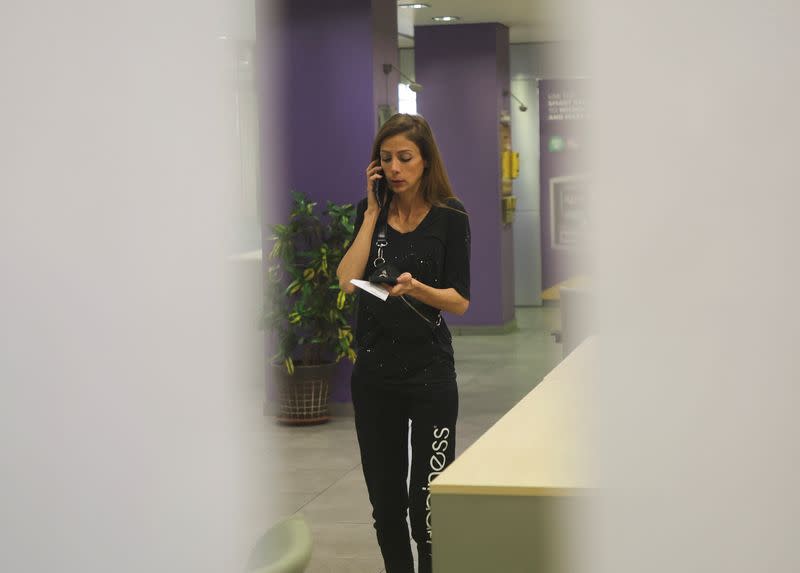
x: 376, y: 290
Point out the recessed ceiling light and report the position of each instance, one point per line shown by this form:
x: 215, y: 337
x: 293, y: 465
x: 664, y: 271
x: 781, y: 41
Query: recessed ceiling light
x: 416, y: 6
x: 446, y: 18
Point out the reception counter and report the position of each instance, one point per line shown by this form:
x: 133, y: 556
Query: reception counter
x: 501, y: 505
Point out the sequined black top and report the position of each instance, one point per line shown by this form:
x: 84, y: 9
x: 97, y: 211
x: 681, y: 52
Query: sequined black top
x: 394, y: 343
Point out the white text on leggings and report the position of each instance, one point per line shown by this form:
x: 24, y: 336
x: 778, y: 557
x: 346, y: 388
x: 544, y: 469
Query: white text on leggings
x: 437, y: 463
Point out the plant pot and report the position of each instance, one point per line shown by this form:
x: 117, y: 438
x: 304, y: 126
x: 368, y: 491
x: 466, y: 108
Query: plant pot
x: 303, y: 396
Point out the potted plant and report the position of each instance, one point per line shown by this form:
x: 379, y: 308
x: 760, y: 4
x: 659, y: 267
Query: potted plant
x: 307, y: 313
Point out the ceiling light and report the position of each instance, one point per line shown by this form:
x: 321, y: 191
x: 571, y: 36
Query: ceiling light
x: 415, y: 6
x: 446, y: 18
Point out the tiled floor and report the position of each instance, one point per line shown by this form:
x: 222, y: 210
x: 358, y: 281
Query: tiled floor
x: 316, y: 471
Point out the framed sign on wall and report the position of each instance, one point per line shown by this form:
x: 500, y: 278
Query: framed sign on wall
x: 569, y: 216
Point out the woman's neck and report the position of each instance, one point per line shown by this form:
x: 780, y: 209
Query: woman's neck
x: 406, y: 204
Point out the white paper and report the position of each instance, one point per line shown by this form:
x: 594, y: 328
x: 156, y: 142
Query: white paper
x: 377, y: 290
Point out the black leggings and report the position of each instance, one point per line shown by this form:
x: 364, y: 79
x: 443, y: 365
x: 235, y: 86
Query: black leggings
x: 382, y: 413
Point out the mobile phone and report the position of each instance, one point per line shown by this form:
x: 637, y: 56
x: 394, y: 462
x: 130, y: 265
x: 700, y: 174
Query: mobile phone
x: 381, y: 189
x: 384, y: 274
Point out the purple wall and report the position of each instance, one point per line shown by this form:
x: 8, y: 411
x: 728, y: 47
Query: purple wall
x: 331, y: 82
x: 464, y: 70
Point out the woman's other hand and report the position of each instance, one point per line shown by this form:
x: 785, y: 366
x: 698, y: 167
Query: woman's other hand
x: 405, y: 285
x: 446, y: 299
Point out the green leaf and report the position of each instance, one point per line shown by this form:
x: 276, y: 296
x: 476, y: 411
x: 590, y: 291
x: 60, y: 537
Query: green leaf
x: 308, y: 241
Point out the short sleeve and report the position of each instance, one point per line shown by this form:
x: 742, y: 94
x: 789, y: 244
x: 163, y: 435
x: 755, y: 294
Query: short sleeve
x: 361, y: 208
x: 457, y: 244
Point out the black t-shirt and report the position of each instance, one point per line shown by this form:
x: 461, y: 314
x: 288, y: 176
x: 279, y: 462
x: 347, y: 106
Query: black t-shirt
x: 394, y: 343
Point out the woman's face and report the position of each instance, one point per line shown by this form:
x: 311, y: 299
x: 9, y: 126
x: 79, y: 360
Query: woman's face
x: 402, y: 164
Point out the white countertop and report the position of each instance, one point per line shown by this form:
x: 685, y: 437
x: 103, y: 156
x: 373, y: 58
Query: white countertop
x: 538, y: 448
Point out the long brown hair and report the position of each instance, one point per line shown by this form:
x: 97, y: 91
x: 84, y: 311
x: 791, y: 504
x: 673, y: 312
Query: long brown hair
x: 435, y: 185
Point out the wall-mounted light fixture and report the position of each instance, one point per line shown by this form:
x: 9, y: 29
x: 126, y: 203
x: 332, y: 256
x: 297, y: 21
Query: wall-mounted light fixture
x: 415, y: 5
x: 413, y: 86
x: 522, y: 106
x: 446, y: 18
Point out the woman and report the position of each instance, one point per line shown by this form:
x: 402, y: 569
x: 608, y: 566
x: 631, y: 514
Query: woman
x: 405, y: 369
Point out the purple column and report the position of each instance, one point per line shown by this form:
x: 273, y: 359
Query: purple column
x: 327, y: 95
x: 464, y: 70
x: 332, y: 82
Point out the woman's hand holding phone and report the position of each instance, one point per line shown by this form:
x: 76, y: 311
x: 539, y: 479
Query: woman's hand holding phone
x: 374, y: 174
x: 405, y: 285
